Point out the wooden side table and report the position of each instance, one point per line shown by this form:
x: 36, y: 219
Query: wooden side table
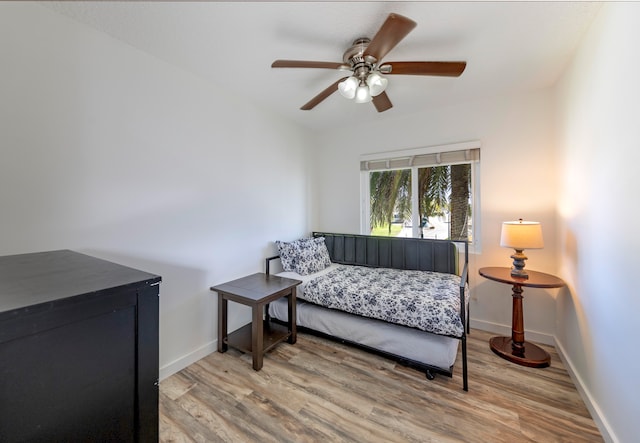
x: 515, y: 348
x: 257, y: 337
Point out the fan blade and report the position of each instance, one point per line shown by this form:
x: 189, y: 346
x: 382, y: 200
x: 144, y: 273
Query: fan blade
x: 445, y: 69
x: 307, y: 64
x: 392, y: 31
x: 382, y: 102
x: 320, y: 97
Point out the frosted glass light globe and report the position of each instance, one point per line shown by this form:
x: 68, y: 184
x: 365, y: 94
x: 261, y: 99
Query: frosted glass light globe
x: 347, y: 88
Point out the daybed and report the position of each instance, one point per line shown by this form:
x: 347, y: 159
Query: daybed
x: 412, y: 305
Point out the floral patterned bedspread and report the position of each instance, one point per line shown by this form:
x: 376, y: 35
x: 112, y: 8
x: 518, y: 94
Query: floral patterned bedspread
x: 429, y: 301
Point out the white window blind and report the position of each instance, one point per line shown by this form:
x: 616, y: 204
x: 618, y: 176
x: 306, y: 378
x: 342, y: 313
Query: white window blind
x: 428, y: 159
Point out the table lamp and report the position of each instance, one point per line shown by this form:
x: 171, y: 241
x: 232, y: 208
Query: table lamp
x: 521, y: 235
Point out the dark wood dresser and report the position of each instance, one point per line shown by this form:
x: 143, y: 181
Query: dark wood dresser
x: 78, y: 349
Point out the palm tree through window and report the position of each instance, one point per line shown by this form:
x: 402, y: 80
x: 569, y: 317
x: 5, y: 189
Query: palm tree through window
x: 444, y: 203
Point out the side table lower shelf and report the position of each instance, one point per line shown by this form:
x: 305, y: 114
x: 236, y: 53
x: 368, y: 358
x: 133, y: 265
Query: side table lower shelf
x: 272, y: 335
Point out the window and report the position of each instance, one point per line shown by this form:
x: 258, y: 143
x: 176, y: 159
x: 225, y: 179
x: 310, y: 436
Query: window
x: 428, y: 192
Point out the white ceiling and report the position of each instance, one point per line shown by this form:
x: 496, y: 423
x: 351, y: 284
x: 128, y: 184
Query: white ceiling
x: 509, y: 47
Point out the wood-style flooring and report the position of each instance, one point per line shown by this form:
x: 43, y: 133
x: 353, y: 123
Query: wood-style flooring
x: 321, y: 391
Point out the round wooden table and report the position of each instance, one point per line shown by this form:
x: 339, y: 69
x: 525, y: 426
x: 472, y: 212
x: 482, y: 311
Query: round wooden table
x: 515, y: 348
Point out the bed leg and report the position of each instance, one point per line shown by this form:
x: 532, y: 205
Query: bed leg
x: 430, y: 374
x: 465, y: 382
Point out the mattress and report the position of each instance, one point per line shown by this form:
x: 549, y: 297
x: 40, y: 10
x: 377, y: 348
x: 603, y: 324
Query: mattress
x: 410, y: 343
x: 424, y: 300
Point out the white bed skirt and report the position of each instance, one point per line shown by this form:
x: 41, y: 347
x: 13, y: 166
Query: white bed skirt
x: 410, y: 343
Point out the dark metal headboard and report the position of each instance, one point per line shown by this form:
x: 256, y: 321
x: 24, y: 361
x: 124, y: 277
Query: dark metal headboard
x: 392, y: 252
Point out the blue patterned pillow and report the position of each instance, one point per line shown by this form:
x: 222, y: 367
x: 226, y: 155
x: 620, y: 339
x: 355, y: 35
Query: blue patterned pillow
x: 313, y: 256
x: 304, y: 256
x: 288, y: 254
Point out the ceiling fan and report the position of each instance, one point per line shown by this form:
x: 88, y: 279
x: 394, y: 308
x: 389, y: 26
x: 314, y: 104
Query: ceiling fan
x: 367, y: 81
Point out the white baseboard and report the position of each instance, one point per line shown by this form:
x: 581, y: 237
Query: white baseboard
x: 596, y: 413
x: 187, y: 359
x: 537, y: 337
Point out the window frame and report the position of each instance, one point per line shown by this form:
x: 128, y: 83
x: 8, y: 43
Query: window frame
x: 365, y: 200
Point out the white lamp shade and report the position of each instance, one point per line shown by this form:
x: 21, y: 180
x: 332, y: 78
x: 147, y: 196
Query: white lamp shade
x: 362, y: 94
x: 347, y: 88
x: 377, y: 83
x: 521, y: 235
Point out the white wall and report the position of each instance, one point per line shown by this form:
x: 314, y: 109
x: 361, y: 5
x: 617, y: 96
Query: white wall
x: 111, y: 152
x: 598, y: 141
x: 518, y: 179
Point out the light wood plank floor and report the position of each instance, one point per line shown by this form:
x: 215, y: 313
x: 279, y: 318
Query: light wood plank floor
x: 319, y: 390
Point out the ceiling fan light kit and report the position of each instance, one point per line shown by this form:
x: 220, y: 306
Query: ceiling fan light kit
x: 366, y: 82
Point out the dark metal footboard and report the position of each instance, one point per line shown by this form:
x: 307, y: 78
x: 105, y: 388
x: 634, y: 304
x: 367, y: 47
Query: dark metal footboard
x: 464, y: 315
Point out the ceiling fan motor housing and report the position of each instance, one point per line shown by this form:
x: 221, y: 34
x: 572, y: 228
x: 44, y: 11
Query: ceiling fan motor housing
x: 360, y: 64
